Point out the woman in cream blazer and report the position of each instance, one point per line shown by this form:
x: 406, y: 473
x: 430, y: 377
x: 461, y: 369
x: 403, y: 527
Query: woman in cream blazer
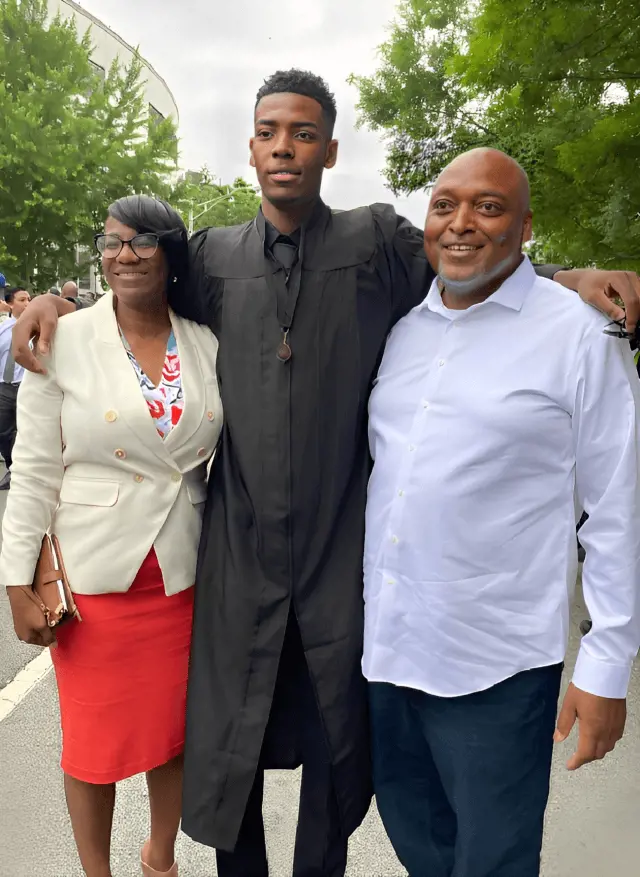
x: 111, y: 456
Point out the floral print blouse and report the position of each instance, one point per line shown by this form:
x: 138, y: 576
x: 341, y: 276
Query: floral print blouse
x: 165, y: 401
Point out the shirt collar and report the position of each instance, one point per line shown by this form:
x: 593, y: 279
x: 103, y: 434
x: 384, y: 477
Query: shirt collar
x: 511, y: 294
x: 271, y: 235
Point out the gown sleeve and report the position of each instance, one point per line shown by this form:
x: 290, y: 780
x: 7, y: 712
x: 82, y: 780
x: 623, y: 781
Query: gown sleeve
x: 401, y: 262
x: 204, y: 302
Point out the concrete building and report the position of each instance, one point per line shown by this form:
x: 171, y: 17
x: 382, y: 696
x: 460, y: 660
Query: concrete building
x: 107, y: 47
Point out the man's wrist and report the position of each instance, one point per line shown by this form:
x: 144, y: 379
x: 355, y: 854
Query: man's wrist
x: 553, y: 272
x: 63, y: 305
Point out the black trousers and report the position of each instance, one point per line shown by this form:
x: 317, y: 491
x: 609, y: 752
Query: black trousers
x: 8, y: 428
x: 294, y: 734
x: 462, y: 783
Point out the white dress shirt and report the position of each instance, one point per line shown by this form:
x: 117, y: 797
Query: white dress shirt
x: 487, y: 426
x: 10, y: 373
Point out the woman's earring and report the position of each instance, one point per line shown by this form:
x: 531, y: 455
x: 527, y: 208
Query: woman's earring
x: 175, y: 279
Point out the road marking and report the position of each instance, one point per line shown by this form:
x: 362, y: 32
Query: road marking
x: 26, y: 680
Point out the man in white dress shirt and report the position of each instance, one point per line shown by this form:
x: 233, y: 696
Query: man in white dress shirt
x: 10, y: 377
x: 498, y: 402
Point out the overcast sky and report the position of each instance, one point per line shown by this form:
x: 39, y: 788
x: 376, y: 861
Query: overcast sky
x: 214, y: 57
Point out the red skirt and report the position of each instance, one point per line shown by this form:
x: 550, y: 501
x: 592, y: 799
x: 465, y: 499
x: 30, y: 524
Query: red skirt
x: 122, y: 679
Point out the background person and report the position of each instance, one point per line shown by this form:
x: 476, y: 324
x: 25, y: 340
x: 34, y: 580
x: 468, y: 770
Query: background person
x: 111, y: 454
x: 69, y: 289
x: 5, y: 311
x: 11, y: 375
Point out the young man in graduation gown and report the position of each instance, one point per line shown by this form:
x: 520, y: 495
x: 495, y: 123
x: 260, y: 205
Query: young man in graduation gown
x: 302, y: 300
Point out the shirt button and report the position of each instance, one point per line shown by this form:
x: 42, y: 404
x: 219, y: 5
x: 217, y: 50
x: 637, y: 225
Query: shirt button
x: 210, y: 415
x: 412, y: 447
x: 111, y: 416
x: 425, y: 404
x: 441, y: 363
x: 138, y: 478
x: 176, y: 476
x: 391, y: 581
x: 401, y: 493
x: 395, y: 540
x: 120, y: 454
x: 202, y: 452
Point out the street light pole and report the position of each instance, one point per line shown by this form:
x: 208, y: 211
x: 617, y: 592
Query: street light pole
x: 207, y: 205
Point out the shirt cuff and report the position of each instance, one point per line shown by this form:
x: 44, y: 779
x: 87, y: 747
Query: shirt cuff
x: 597, y: 677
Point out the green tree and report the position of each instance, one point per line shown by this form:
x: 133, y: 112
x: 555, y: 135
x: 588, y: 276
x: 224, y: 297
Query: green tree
x: 70, y: 143
x: 203, y: 202
x: 556, y: 85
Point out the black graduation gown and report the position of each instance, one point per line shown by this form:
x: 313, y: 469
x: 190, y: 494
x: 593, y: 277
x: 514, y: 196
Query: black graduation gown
x: 284, y: 520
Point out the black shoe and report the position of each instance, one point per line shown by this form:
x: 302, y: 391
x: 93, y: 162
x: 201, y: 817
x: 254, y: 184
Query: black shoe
x: 5, y: 484
x: 585, y: 627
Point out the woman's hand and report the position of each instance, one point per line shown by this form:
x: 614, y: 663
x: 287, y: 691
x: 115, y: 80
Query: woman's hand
x: 29, y: 622
x: 39, y: 321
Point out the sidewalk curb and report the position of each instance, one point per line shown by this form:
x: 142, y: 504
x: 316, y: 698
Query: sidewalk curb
x: 15, y: 692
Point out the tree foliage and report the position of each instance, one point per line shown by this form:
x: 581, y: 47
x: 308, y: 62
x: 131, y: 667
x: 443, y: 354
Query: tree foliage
x: 555, y: 83
x: 198, y: 195
x: 70, y: 143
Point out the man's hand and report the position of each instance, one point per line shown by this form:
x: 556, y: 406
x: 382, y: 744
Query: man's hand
x: 39, y: 321
x: 29, y: 622
x: 601, y: 722
x: 600, y: 289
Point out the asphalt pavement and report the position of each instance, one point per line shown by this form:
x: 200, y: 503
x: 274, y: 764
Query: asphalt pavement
x: 13, y: 654
x: 593, y: 825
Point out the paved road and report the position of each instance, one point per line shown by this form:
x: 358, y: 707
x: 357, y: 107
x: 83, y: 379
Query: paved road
x: 593, y: 820
x: 13, y: 654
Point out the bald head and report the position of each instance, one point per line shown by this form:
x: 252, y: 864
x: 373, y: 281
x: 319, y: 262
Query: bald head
x: 479, y: 217
x: 492, y: 163
x: 70, y: 289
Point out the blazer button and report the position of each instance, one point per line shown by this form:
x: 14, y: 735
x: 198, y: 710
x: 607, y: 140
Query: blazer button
x: 210, y: 415
x: 202, y: 452
x: 111, y: 416
x: 138, y: 478
x: 120, y: 454
x: 176, y: 476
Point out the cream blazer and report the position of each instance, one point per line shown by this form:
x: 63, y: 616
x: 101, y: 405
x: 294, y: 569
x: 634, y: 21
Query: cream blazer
x: 89, y: 464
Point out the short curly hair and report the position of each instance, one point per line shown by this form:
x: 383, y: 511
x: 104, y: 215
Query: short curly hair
x: 305, y: 83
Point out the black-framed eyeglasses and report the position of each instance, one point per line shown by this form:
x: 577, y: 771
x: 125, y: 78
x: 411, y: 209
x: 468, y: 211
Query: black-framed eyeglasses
x: 144, y: 246
x: 616, y: 328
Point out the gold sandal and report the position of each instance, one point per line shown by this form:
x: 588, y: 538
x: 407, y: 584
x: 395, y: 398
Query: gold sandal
x: 148, y: 871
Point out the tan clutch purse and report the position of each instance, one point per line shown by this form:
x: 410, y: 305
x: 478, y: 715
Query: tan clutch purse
x: 50, y: 588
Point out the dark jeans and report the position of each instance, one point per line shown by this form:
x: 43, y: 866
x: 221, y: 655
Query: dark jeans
x: 8, y: 429
x: 294, y: 726
x: 462, y: 783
